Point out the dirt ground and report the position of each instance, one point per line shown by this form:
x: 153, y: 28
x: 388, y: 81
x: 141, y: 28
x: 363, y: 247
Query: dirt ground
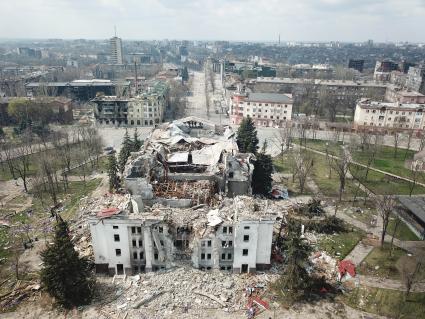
x: 42, y: 309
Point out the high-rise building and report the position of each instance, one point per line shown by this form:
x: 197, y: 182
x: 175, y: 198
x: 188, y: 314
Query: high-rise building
x: 116, y: 50
x: 356, y: 64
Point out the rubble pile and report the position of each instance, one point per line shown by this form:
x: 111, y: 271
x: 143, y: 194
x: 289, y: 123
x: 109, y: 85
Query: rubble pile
x: 324, y: 265
x: 200, y: 192
x: 178, y: 290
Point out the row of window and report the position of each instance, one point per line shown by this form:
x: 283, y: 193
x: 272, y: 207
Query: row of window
x: 265, y: 111
x: 265, y: 104
x: 396, y: 112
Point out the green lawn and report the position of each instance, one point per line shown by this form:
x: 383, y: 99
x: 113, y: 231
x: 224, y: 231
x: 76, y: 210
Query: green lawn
x: 76, y: 191
x: 321, y: 145
x: 381, y: 184
x: 330, y: 186
x: 340, y: 245
x: 385, y: 160
x: 380, y: 258
x: 386, y: 302
x: 101, y: 166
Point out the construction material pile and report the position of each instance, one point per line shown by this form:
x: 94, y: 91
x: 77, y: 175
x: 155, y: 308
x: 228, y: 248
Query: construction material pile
x: 324, y: 265
x: 180, y: 290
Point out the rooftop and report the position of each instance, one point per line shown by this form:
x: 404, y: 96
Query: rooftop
x: 270, y: 97
x: 367, y: 103
x: 416, y: 204
x: 318, y: 82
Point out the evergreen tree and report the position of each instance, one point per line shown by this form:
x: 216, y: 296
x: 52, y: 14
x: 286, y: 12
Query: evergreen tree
x: 136, y: 144
x: 66, y: 276
x: 247, y: 139
x: 294, y: 279
x: 262, y: 175
x: 114, y: 182
x: 185, y: 74
x: 126, y: 148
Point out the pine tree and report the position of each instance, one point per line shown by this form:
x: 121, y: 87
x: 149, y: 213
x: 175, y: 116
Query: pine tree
x: 262, y: 175
x: 185, y: 74
x: 294, y: 279
x: 247, y: 139
x: 136, y: 144
x: 66, y: 276
x: 114, y: 182
x: 126, y: 148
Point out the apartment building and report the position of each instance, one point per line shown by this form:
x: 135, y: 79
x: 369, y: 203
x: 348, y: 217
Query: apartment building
x: 397, y: 94
x: 266, y: 109
x: 347, y: 92
x: 389, y: 116
x: 416, y: 79
x: 116, y: 50
x: 145, y: 109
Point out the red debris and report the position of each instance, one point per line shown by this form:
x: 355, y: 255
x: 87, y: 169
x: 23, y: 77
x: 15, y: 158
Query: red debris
x: 347, y: 266
x: 108, y: 212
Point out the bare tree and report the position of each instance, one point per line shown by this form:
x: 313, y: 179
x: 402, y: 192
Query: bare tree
x: 341, y: 166
x: 396, y: 224
x: 21, y: 161
x: 282, y: 139
x: 385, y: 204
x: 409, y: 268
x: 302, y: 126
x: 302, y: 164
x: 414, y: 175
x: 409, y: 141
x: 396, y: 140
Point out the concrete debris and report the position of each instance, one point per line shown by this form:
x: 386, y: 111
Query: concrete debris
x: 177, y: 290
x: 324, y: 265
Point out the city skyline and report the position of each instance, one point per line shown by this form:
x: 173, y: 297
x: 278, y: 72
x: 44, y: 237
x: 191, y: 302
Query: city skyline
x: 232, y: 20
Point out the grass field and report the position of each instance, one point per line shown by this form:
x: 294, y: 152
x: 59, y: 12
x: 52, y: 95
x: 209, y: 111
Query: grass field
x: 340, y: 245
x: 386, y: 302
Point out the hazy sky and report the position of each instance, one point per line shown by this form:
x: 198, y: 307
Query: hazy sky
x: 258, y: 20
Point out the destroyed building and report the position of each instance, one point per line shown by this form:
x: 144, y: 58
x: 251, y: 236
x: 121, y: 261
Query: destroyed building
x: 236, y: 236
x: 188, y: 162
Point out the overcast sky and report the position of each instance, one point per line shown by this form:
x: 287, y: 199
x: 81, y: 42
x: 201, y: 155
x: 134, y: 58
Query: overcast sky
x: 255, y: 20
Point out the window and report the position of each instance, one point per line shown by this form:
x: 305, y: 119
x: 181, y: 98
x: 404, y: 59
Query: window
x: 230, y: 243
x: 223, y: 256
x: 160, y: 229
x: 208, y: 256
x: 116, y: 237
x: 246, y: 227
x: 231, y: 174
x: 266, y: 104
x: 230, y: 230
x: 133, y: 230
x: 161, y: 243
x: 140, y: 243
x: 134, y: 255
x: 118, y: 252
x: 136, y: 268
x: 229, y: 256
x: 209, y: 243
x: 114, y: 227
x: 245, y: 237
x: 202, y: 256
x: 224, y: 230
x: 142, y: 255
x: 203, y: 243
x: 139, y: 230
x: 244, y: 252
x: 155, y: 256
x: 134, y: 243
x: 223, y: 244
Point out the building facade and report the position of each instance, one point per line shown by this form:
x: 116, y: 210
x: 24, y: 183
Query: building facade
x: 416, y: 79
x: 389, y: 116
x: 266, y: 109
x: 126, y: 245
x: 145, y: 109
x: 116, y: 50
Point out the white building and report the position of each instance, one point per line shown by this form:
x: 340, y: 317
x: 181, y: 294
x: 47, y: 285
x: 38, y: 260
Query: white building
x: 266, y: 109
x: 235, y: 238
x: 393, y: 115
x: 116, y: 50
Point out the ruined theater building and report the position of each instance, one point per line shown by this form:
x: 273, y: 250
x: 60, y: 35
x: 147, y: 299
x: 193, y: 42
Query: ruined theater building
x: 188, y: 162
x: 184, y: 170
x: 236, y: 237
